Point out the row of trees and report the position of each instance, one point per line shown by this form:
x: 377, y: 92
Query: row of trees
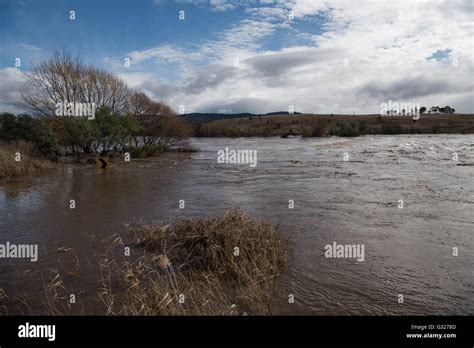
x: 433, y: 109
x: 125, y: 120
x: 446, y: 110
x: 108, y: 133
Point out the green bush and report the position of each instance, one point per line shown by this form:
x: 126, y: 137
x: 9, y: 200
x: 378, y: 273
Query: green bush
x: 14, y: 128
x: 46, y: 138
x: 389, y: 127
x: 349, y: 129
x: 363, y: 129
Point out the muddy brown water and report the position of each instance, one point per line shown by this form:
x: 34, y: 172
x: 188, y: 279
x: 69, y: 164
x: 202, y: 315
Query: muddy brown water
x: 408, y: 251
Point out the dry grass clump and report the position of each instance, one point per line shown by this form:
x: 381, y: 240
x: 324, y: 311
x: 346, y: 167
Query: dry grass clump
x: 224, y: 265
x: 28, y: 165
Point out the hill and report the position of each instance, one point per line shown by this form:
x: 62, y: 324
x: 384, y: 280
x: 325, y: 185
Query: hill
x: 195, y: 118
x: 340, y: 125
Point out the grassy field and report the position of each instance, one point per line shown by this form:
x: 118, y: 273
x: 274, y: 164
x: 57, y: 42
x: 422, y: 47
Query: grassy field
x: 341, y: 125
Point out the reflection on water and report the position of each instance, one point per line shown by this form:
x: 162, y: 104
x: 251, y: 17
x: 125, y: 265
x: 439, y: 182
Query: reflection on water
x: 407, y: 251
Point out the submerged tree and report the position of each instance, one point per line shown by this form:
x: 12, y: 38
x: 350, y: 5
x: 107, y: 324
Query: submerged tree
x: 159, y: 125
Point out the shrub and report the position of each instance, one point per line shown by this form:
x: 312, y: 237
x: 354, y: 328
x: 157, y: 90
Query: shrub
x: 389, y: 127
x: 319, y: 131
x: 13, y: 128
x: 163, y: 130
x: 197, y: 258
x: 362, y: 126
x: 30, y: 164
x: 46, y: 138
x: 346, y: 129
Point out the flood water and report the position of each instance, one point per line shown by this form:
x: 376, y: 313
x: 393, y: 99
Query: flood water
x: 345, y: 190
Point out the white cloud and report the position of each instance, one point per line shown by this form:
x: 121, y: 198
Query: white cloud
x: 385, y: 46
x: 164, y: 53
x: 10, y: 90
x: 303, y: 8
x: 368, y: 52
x: 29, y: 47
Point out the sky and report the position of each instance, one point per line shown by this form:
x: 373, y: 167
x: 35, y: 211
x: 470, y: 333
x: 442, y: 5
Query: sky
x: 340, y: 56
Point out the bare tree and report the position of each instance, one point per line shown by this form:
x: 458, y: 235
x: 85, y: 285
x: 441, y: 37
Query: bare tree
x: 64, y: 78
x: 141, y: 104
x: 160, y: 125
x: 104, y: 89
x: 138, y: 103
x: 164, y: 131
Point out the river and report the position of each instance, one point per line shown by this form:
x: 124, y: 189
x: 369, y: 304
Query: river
x: 345, y: 190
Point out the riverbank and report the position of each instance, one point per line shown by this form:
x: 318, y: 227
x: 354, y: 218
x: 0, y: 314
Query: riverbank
x: 19, y: 161
x: 339, y: 125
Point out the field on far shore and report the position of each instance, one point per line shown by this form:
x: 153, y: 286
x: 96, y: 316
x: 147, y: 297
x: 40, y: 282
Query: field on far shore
x: 340, y: 125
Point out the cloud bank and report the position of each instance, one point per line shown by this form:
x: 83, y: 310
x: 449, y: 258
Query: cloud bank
x: 364, y: 54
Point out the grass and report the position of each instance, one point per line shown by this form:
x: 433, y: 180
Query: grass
x: 29, y: 163
x: 223, y: 265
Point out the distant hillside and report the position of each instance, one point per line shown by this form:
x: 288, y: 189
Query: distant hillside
x: 340, y: 125
x: 197, y: 117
